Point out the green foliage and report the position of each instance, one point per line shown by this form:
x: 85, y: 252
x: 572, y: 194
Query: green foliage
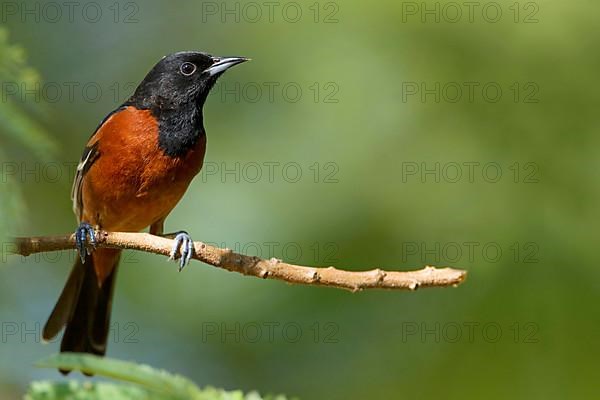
x: 136, y: 382
x: 47, y: 390
x: 11, y: 201
x: 17, y: 127
x: 16, y: 123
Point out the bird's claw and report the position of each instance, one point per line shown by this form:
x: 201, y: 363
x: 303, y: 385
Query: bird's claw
x: 81, y: 240
x: 185, y: 246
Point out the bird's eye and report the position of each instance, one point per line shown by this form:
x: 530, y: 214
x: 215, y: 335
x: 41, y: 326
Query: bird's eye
x: 187, y: 68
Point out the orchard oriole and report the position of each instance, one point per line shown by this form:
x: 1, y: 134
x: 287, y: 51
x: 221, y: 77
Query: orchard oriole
x: 134, y: 169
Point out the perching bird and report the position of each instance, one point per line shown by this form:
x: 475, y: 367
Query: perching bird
x: 134, y: 170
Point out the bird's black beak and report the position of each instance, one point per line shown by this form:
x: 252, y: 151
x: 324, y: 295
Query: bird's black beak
x: 221, y: 64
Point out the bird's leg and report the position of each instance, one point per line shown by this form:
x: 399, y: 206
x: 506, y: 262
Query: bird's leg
x: 81, y: 240
x: 158, y: 227
x: 184, y: 245
x: 183, y: 242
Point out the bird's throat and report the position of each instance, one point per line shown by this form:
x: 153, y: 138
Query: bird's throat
x: 180, y: 129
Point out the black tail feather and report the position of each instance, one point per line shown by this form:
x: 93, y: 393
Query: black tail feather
x: 84, y: 307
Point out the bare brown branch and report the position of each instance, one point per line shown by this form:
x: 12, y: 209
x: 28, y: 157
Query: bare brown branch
x: 258, y: 267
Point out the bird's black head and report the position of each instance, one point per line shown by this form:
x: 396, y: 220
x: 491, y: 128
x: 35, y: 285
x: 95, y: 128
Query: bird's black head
x: 175, y: 91
x: 181, y: 79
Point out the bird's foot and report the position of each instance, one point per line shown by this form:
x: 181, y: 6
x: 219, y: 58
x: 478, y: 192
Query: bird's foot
x: 184, y: 246
x: 85, y: 246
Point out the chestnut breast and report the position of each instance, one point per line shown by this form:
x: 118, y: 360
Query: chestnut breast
x: 133, y: 183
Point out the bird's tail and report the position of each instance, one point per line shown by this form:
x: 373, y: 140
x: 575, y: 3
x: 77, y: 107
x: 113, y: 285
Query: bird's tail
x: 84, y: 305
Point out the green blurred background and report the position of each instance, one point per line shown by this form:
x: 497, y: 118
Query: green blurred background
x: 362, y: 131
